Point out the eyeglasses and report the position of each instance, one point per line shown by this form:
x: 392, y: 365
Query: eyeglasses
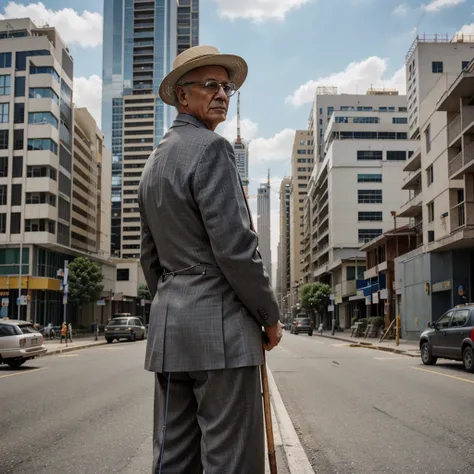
x: 213, y: 86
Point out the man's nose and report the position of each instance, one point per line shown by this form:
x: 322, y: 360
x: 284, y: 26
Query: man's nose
x: 220, y: 94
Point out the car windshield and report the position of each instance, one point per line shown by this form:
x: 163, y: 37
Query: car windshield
x: 303, y: 320
x: 9, y: 330
x: 28, y: 329
x: 118, y: 322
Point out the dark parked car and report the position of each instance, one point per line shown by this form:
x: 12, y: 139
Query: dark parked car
x: 130, y: 328
x: 451, y: 337
x: 302, y: 324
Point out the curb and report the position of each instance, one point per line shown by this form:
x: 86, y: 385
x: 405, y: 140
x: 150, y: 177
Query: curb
x: 296, y: 458
x: 73, y: 348
x: 369, y: 345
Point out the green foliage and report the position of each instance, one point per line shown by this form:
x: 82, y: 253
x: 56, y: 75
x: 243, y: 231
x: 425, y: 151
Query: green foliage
x: 315, y: 296
x: 377, y: 321
x: 143, y: 293
x: 85, y: 281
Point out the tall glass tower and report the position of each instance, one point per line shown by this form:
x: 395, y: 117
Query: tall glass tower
x: 141, y: 41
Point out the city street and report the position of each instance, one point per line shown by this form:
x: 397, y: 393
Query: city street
x: 364, y: 411
x: 355, y: 410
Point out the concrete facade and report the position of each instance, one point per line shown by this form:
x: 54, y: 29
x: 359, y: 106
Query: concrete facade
x: 264, y: 225
x: 284, y: 247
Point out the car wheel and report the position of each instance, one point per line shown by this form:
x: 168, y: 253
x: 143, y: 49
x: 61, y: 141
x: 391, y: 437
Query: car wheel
x: 310, y: 333
x: 426, y: 355
x: 109, y: 341
x: 15, y: 363
x: 143, y: 336
x: 133, y: 337
x: 468, y: 359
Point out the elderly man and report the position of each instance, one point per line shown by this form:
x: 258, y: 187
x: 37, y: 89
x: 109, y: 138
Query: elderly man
x: 211, y: 293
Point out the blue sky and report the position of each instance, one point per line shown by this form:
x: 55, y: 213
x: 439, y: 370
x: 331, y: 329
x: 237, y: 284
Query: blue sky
x: 291, y: 46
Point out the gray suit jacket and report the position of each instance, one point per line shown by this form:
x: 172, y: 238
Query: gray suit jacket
x: 193, y: 210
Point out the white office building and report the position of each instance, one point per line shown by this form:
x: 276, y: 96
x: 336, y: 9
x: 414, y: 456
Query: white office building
x: 355, y: 188
x: 264, y: 225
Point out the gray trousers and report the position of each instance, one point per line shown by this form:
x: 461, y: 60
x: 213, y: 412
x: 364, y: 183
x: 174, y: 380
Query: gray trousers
x: 215, y: 422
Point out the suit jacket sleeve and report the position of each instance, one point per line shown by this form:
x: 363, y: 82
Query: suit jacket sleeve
x: 149, y: 256
x: 219, y: 195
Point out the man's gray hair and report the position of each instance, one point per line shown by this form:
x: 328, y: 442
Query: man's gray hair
x: 180, y: 81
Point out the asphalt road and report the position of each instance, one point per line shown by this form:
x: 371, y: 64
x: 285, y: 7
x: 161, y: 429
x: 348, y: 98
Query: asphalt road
x: 364, y: 411
x: 88, y: 411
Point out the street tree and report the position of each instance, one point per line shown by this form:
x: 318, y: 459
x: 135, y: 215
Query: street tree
x: 85, y: 282
x: 315, y: 297
x: 143, y: 293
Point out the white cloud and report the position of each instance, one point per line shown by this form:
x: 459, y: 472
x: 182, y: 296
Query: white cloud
x: 437, y: 5
x: 84, y: 29
x: 88, y: 93
x: 401, y: 10
x: 357, y: 77
x: 257, y: 10
x: 466, y: 30
x: 248, y: 129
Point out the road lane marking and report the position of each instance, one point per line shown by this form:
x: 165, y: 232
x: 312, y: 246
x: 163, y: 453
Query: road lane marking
x: 111, y: 348
x: 69, y: 355
x: 23, y: 372
x: 461, y: 379
x: 342, y: 344
x: 400, y: 357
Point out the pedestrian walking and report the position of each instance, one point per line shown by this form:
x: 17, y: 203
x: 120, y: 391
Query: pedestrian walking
x: 69, y: 331
x: 211, y: 292
x: 63, y: 332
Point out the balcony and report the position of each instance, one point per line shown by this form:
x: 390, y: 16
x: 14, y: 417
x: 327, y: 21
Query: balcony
x: 414, y: 206
x: 467, y: 115
x: 454, y: 129
x: 414, y: 162
x: 412, y: 180
x: 462, y: 163
x: 458, y: 216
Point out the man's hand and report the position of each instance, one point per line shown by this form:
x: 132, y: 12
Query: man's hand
x: 272, y: 336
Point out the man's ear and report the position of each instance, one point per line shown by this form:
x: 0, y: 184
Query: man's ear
x: 182, y: 96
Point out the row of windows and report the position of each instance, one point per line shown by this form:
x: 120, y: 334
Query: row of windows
x: 43, y: 93
x: 42, y: 118
x: 41, y: 144
x: 366, y: 235
x: 369, y: 178
x: 5, y: 85
x: 392, y: 155
x: 361, y: 108
x: 369, y: 196
x: 31, y: 225
x: 371, y: 135
x: 45, y: 70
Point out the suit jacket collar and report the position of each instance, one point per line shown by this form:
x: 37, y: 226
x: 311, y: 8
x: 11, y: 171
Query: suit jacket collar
x: 186, y: 118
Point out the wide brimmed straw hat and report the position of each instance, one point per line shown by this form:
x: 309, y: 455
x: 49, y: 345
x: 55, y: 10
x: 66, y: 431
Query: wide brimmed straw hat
x: 199, y: 56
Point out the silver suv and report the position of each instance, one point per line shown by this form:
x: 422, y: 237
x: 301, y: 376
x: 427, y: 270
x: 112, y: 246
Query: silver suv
x: 19, y: 341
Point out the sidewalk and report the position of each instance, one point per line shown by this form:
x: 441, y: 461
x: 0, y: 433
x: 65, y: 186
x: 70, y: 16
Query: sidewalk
x: 55, y: 347
x: 408, y: 348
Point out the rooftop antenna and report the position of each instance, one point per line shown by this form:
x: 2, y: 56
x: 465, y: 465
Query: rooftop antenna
x: 238, y: 117
x: 268, y: 180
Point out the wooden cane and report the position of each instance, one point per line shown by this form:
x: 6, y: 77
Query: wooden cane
x: 268, y: 418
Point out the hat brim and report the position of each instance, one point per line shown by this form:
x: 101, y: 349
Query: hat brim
x: 235, y: 65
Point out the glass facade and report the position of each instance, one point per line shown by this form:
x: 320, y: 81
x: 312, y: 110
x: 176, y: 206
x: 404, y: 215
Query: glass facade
x: 140, y: 45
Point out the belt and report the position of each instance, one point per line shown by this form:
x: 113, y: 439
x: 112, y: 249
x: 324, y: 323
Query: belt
x: 198, y: 269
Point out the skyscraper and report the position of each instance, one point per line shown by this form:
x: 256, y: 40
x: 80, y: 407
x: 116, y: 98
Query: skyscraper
x: 284, y: 248
x: 263, y: 224
x: 141, y: 40
x: 241, y: 152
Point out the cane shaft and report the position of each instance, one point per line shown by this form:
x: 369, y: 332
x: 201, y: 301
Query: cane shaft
x: 268, y: 420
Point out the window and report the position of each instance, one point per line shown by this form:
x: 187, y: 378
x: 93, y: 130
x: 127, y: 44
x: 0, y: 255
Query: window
x: 19, y: 113
x: 40, y: 225
x: 42, y: 118
x: 431, y: 213
x: 330, y: 111
x: 123, y: 274
x: 17, y: 166
x: 400, y: 120
x: 3, y: 139
x: 402, y: 109
x: 43, y: 93
x: 15, y: 222
x: 301, y: 160
x: 18, y: 139
x: 361, y: 108
x: 351, y: 272
x: 3, y: 223
x: 370, y: 216
x: 369, y: 196
x: 365, y: 120
x: 437, y: 67
x: 366, y: 235
x: 369, y: 178
x: 4, y: 112
x: 44, y: 70
x: 3, y: 166
x: 5, y: 60
x: 41, y: 172
x: 301, y: 152
x: 428, y: 138
x: 37, y: 144
x: 369, y: 155
x: 3, y: 195
x: 396, y: 155
x: 40, y: 198
x: 5, y: 85
x: 301, y: 169
x: 431, y: 236
x: 20, y: 86
x: 464, y: 65
x: 429, y: 175
x: 460, y: 318
x: 16, y: 194
x: 300, y: 185
x: 20, y: 62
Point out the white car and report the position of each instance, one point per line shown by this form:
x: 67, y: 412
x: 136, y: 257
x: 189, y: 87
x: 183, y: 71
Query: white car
x: 19, y: 341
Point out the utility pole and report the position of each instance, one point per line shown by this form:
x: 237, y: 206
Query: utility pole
x: 65, y: 289
x: 20, y: 280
